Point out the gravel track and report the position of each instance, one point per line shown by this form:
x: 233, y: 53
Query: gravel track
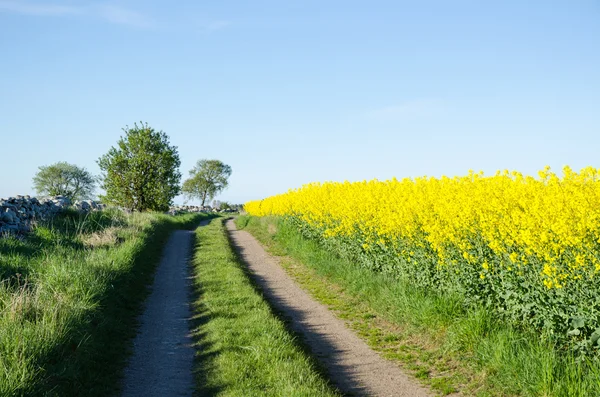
x: 351, y: 365
x: 163, y: 356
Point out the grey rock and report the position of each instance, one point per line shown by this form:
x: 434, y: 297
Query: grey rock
x: 9, y: 216
x: 17, y: 213
x: 10, y: 228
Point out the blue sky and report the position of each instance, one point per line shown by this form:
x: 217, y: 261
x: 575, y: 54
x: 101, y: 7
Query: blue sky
x: 290, y: 92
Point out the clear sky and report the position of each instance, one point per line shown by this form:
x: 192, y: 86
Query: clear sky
x: 290, y: 92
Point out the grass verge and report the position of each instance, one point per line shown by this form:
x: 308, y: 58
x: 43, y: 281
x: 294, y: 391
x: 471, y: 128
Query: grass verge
x: 445, y: 346
x: 243, y: 348
x: 70, y: 293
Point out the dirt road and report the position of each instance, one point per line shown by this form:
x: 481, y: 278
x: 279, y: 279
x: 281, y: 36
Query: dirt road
x: 352, y: 366
x: 163, y: 356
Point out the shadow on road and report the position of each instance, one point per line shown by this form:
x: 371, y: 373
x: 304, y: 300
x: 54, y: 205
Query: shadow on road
x: 310, y: 338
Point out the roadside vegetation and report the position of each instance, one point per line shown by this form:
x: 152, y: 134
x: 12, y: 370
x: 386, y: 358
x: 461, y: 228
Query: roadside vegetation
x: 70, y: 293
x: 434, y: 335
x: 243, y: 348
x: 71, y: 289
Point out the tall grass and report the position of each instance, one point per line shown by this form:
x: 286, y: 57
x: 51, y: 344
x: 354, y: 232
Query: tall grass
x: 69, y: 295
x: 488, y: 357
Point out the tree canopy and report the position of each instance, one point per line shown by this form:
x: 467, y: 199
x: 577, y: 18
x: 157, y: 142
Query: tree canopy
x: 207, y: 179
x: 64, y: 179
x: 142, y: 171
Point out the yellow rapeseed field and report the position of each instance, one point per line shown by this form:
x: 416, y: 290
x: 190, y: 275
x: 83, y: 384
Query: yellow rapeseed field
x: 526, y: 246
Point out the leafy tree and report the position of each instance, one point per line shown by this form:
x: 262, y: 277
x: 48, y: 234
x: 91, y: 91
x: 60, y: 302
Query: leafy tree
x: 142, y: 172
x: 207, y: 179
x: 64, y: 179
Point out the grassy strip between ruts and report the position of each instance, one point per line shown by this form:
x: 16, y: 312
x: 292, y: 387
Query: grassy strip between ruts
x: 445, y: 346
x: 243, y: 348
x: 69, y: 297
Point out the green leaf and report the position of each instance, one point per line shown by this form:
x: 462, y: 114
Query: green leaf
x: 596, y: 336
x: 578, y: 322
x: 574, y: 332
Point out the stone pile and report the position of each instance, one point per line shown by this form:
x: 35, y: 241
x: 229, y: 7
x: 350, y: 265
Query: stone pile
x: 17, y: 214
x: 88, y: 205
x: 182, y: 209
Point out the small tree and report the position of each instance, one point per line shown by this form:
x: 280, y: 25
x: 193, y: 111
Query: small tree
x: 64, y: 179
x: 207, y: 179
x: 142, y: 172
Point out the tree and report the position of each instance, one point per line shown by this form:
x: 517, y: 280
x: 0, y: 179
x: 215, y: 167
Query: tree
x: 207, y: 179
x: 142, y: 172
x: 64, y: 179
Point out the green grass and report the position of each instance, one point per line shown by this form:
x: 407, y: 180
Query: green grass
x: 243, y: 348
x: 431, y: 335
x: 69, y: 295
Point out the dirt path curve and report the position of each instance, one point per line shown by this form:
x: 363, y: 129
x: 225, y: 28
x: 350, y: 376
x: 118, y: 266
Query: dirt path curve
x: 162, y: 361
x: 352, y: 366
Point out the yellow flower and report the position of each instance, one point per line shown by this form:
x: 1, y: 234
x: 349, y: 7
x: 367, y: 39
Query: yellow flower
x: 550, y: 220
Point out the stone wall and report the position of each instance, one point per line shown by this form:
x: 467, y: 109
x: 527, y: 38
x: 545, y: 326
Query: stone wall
x: 17, y: 214
x: 182, y: 209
